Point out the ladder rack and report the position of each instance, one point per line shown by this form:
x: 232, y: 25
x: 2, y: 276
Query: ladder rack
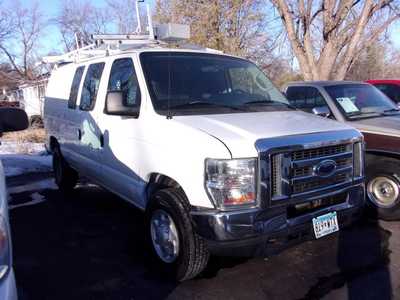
x: 104, y: 44
x: 159, y: 35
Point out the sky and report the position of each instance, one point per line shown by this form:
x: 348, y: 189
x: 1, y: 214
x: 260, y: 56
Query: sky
x: 50, y: 8
x: 52, y: 39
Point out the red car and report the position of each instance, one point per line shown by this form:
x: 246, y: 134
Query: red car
x: 391, y: 87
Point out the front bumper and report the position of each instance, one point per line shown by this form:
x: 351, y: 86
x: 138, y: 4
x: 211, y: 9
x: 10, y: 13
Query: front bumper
x: 261, y: 232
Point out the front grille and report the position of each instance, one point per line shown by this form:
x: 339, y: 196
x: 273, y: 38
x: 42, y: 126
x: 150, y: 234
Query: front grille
x: 306, y: 171
x: 297, y: 172
x: 318, y: 152
x: 307, y: 186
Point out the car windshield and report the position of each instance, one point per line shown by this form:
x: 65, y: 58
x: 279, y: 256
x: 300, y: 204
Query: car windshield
x: 361, y: 100
x: 195, y: 83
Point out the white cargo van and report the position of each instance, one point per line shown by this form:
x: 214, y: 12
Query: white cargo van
x: 206, y: 146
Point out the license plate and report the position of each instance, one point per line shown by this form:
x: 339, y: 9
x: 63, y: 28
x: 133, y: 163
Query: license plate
x: 325, y: 224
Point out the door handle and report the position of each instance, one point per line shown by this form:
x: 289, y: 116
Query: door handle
x: 79, y: 134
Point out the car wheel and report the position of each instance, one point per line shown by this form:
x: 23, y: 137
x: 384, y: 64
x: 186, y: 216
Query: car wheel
x: 178, y: 250
x: 383, y: 188
x: 66, y: 178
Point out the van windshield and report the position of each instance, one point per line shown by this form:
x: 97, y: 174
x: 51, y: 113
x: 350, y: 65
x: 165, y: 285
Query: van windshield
x: 195, y: 83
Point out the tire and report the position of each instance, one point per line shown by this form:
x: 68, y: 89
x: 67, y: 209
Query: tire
x: 66, y: 178
x: 383, y: 188
x: 190, y: 254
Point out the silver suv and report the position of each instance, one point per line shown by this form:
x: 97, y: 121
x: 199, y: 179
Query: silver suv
x: 11, y: 119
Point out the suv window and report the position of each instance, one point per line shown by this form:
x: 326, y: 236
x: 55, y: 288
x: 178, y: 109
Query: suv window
x: 91, y: 86
x: 390, y: 90
x: 73, y: 95
x: 123, y: 78
x: 305, y: 98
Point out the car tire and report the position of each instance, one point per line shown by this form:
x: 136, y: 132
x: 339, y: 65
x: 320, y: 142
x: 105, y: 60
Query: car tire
x: 179, y: 252
x: 66, y: 178
x: 383, y: 188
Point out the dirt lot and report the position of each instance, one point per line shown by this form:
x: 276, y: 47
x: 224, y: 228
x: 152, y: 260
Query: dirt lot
x: 32, y: 135
x: 90, y: 245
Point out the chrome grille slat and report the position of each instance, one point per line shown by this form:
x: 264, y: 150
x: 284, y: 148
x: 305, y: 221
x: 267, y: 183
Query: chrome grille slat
x: 321, y: 183
x: 308, y: 178
x: 319, y: 152
x: 313, y: 161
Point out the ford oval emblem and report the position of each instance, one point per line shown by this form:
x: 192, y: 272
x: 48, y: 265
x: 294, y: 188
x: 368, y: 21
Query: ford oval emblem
x: 325, y: 168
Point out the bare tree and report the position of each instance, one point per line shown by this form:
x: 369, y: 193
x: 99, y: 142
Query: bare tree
x: 379, y: 60
x: 123, y: 15
x: 236, y: 27
x: 80, y: 19
x: 327, y: 35
x: 20, y: 30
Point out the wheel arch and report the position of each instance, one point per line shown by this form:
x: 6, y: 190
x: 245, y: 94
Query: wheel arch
x: 157, y: 181
x: 371, y: 154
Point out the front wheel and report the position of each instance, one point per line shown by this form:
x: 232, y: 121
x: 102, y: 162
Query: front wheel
x: 177, y: 248
x: 383, y: 188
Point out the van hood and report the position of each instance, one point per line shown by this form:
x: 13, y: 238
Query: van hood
x: 240, y: 131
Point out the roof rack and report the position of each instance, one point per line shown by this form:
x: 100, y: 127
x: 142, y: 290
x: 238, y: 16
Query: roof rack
x: 105, y: 44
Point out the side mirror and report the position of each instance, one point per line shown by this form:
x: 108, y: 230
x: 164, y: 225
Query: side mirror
x: 322, y: 111
x: 13, y: 119
x: 115, y: 105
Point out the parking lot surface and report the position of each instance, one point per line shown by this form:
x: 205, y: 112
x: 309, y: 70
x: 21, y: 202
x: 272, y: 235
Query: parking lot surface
x: 90, y: 245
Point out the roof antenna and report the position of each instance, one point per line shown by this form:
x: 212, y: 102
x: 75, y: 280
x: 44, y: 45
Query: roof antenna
x: 139, y: 23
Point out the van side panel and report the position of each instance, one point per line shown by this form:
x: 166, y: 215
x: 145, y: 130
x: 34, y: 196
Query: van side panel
x: 60, y: 121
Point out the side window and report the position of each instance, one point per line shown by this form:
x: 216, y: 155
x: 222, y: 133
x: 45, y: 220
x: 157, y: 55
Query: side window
x: 390, y: 90
x: 73, y: 95
x: 91, y: 86
x: 296, y: 96
x: 305, y: 98
x: 123, y: 78
x: 396, y: 93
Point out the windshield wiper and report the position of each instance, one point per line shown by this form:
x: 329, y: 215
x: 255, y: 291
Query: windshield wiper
x: 390, y: 110
x: 204, y: 103
x: 359, y: 114
x: 268, y: 102
x: 354, y: 113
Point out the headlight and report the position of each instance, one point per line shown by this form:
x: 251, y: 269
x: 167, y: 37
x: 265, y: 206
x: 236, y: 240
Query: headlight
x: 231, y: 183
x: 4, y: 248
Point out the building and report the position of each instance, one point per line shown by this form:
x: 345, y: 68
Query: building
x: 31, y: 96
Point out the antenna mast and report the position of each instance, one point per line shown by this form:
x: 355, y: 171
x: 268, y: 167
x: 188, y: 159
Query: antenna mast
x: 139, y: 23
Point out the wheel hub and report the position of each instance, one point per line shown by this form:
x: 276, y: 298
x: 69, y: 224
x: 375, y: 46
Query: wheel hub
x: 164, y: 236
x: 383, y: 191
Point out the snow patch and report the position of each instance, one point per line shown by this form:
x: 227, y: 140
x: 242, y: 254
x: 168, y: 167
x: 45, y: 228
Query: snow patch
x: 46, y: 184
x: 10, y: 147
x: 15, y: 164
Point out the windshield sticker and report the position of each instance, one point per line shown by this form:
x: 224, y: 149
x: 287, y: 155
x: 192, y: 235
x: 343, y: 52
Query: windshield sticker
x: 347, y: 105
